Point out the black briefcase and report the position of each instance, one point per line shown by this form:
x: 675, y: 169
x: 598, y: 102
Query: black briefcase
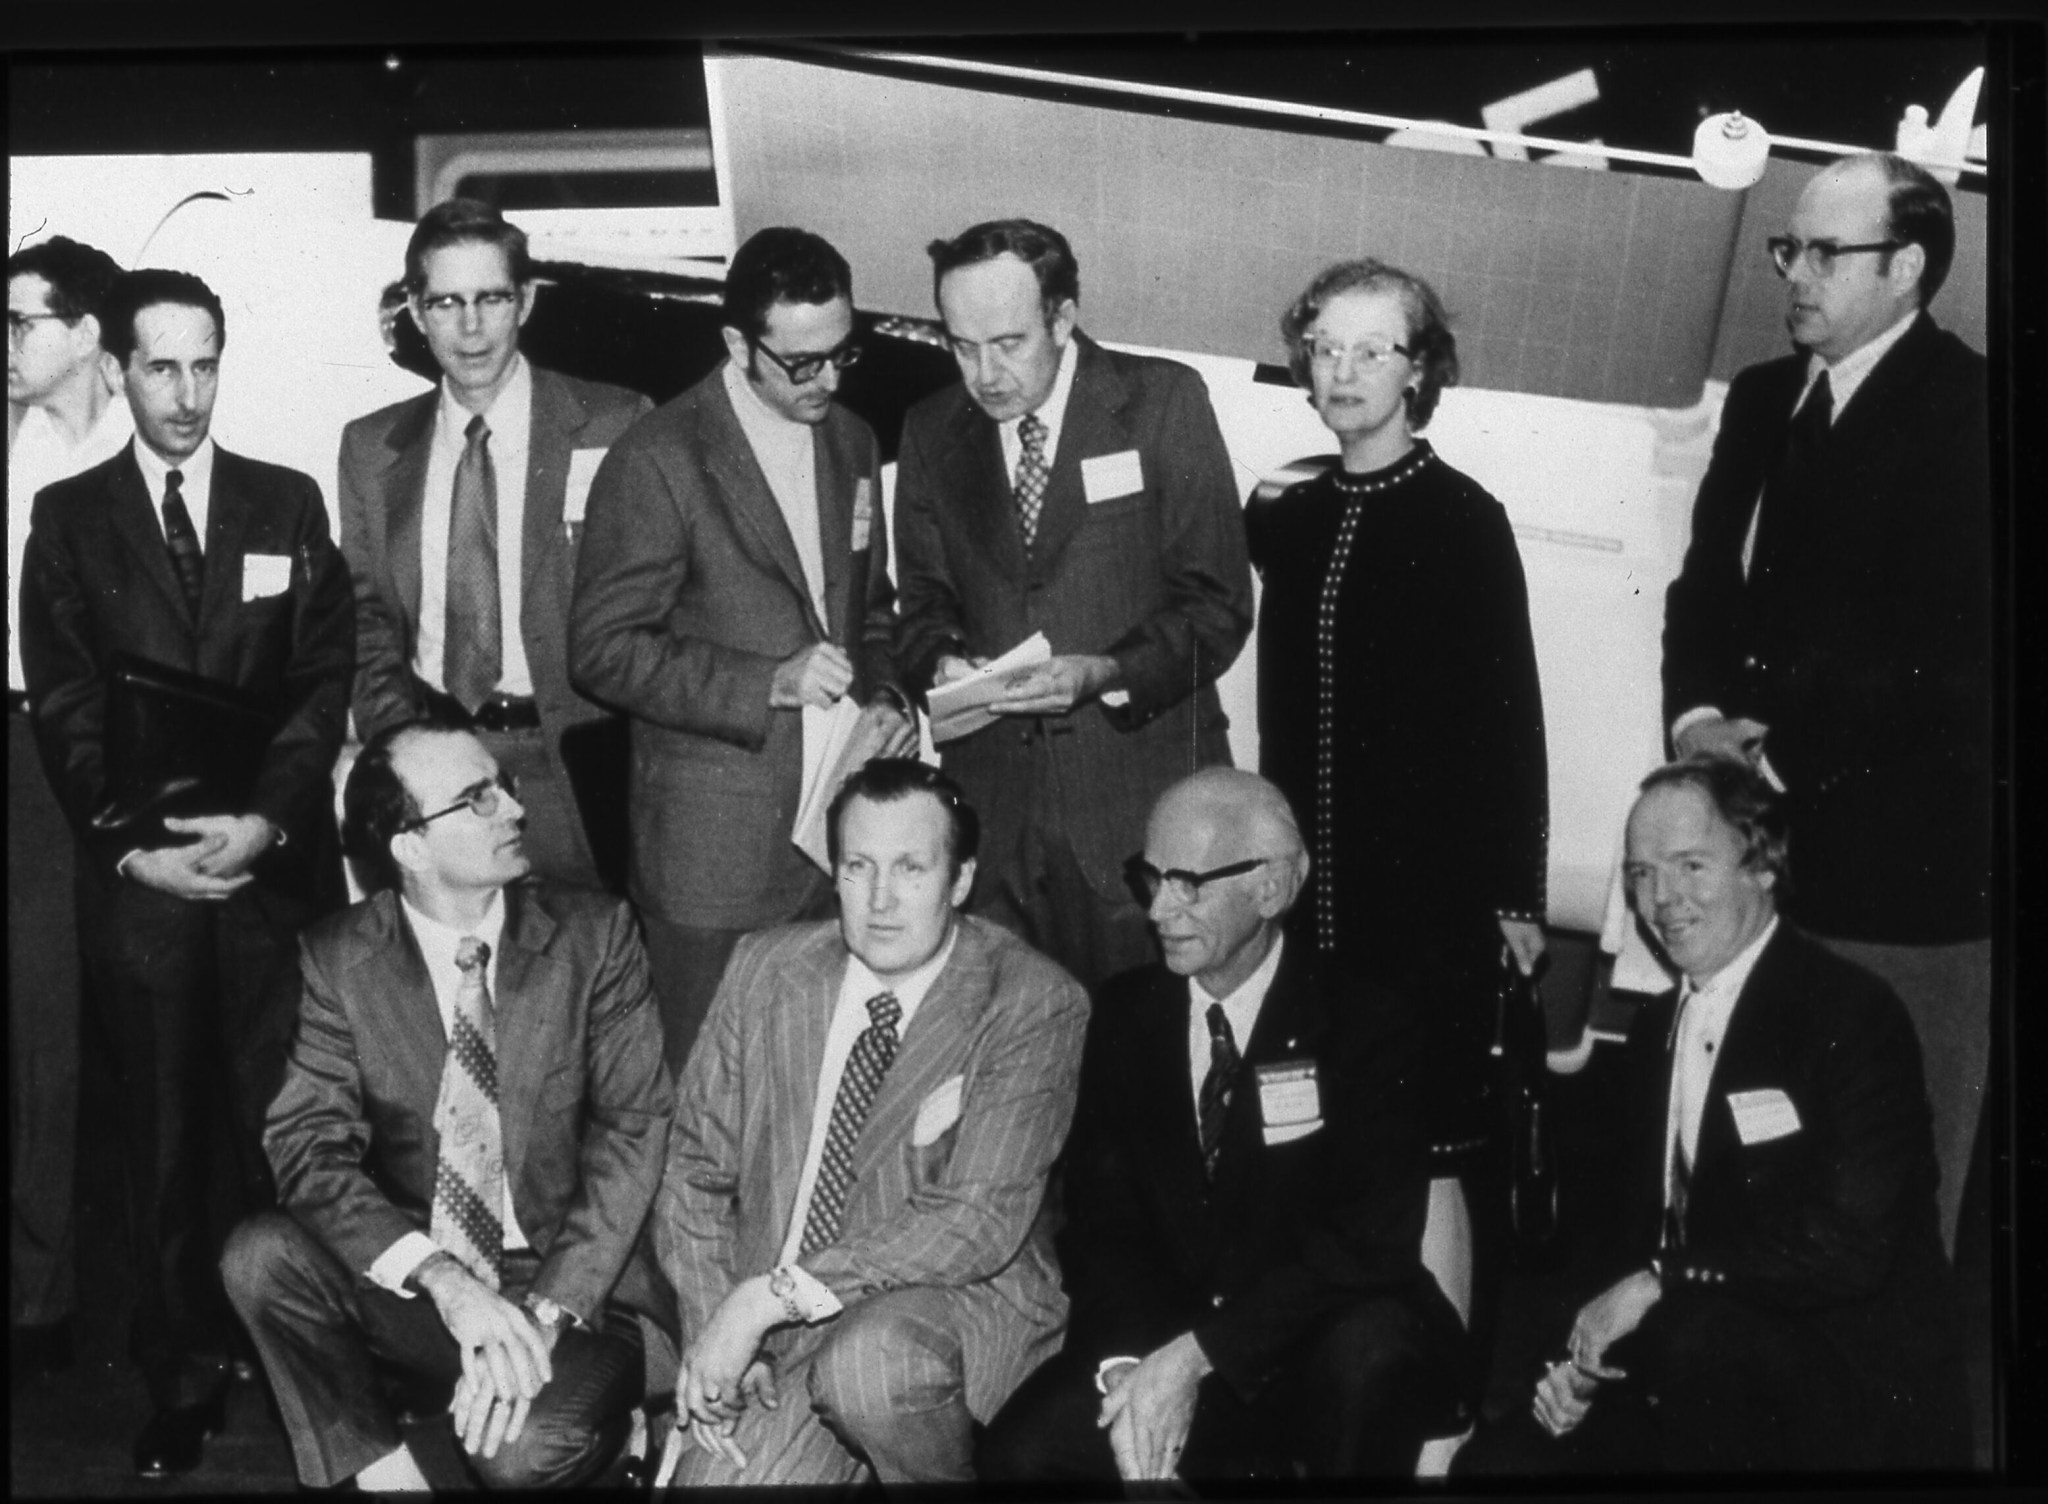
x: 177, y: 744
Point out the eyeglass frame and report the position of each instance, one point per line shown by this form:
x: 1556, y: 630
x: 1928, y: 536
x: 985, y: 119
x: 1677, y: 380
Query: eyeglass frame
x: 1361, y: 354
x: 481, y: 800
x: 18, y: 323
x: 1798, y: 251
x: 448, y: 306
x: 1147, y: 882
x: 847, y: 352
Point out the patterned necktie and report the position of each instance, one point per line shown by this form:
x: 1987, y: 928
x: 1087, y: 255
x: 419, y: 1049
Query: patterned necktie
x: 1214, y: 1102
x: 1032, y: 475
x: 469, y: 1176
x: 865, y: 1068
x: 471, y: 661
x: 183, y: 540
x: 1805, y: 441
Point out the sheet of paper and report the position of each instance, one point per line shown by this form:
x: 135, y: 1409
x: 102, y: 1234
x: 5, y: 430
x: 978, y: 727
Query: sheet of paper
x: 837, y: 740
x: 961, y: 707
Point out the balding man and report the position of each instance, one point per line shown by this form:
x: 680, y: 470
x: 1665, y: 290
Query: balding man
x: 1833, y: 619
x: 1246, y: 1193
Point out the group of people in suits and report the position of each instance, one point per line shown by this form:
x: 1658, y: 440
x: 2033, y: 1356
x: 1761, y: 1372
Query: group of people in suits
x: 781, y: 1136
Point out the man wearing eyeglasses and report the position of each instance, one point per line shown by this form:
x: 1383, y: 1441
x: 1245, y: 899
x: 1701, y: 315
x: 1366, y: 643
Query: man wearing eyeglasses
x: 1832, y: 623
x: 460, y: 510
x: 474, y: 1112
x: 735, y: 573
x: 1070, y: 490
x: 1246, y: 1189
x: 61, y: 419
x: 181, y: 553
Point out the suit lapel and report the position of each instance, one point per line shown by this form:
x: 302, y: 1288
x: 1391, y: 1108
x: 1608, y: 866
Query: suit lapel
x: 1290, y: 1025
x: 133, y: 518
x: 1752, y: 1056
x: 408, y: 1032
x: 804, y: 1003
x: 227, y: 525
x: 409, y: 444
x: 1093, y: 425
x: 975, y: 482
x: 836, y: 480
x: 556, y: 419
x: 739, y: 474
x: 526, y: 1024
x: 931, y: 1052
x: 1172, y: 1142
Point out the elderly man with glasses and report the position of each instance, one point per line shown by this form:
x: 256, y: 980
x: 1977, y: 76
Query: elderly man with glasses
x: 474, y: 1110
x: 460, y: 510
x: 1247, y: 1185
x: 734, y: 579
x: 1832, y: 624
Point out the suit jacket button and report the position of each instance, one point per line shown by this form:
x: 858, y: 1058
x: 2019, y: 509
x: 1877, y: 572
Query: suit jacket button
x: 1216, y: 1300
x: 1750, y: 661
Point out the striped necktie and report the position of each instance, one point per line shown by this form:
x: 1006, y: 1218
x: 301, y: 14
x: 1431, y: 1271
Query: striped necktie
x: 1032, y: 475
x: 1214, y: 1102
x: 469, y: 1174
x: 865, y: 1067
x: 183, y: 540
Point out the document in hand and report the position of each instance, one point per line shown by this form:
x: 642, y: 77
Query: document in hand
x: 838, y: 740
x: 961, y: 707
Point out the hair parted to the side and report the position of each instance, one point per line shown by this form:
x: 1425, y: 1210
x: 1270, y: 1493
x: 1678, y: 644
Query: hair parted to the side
x: 782, y: 264
x: 465, y: 221
x: 80, y: 276
x: 1040, y: 247
x: 376, y: 805
x: 146, y: 288
x: 1745, y: 799
x: 883, y: 780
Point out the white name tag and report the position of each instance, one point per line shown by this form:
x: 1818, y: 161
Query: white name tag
x: 1761, y: 1116
x: 265, y: 575
x: 583, y: 465
x: 1109, y: 476
x: 863, y: 513
x: 1290, y: 1100
x: 937, y: 1112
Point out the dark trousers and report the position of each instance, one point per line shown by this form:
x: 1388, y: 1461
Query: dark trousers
x: 198, y: 1001
x: 321, y: 1329
x: 1357, y: 1401
x: 43, y: 1028
x: 1718, y: 1385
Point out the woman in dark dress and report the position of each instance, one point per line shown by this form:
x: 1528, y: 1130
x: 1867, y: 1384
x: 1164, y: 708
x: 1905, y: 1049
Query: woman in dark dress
x: 1399, y: 707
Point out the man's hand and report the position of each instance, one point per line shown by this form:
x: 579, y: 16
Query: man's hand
x: 505, y: 1357
x: 1736, y: 737
x: 897, y: 733
x: 951, y: 666
x: 1149, y: 1407
x: 1564, y: 1396
x: 711, y: 1389
x: 1524, y: 941
x: 1608, y: 1317
x: 816, y: 675
x: 233, y: 842
x: 1055, y: 686
x: 188, y: 871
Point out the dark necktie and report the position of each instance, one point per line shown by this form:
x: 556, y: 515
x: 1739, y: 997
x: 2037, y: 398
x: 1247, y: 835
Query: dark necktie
x: 1805, y: 442
x: 865, y: 1068
x: 1032, y: 475
x: 471, y: 657
x: 183, y: 540
x: 469, y: 1170
x: 1214, y: 1102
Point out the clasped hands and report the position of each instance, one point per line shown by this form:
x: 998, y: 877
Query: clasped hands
x: 1565, y: 1393
x: 1053, y: 687
x: 507, y: 1356
x: 210, y: 868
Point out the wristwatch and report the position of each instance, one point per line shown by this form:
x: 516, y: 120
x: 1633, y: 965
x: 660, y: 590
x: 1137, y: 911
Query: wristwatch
x: 782, y: 1285
x: 545, y: 1313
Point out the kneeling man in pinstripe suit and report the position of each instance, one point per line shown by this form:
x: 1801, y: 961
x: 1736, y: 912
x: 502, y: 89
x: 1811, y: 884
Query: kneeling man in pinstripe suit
x: 860, y: 1148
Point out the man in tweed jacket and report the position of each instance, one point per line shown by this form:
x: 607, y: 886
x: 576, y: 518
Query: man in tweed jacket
x: 860, y: 1149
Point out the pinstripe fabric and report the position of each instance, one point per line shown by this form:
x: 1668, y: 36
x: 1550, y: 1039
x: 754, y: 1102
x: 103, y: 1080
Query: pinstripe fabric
x: 955, y: 1213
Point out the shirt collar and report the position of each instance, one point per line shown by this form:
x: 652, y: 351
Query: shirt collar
x: 1242, y: 1006
x: 1730, y: 979
x: 910, y: 991
x: 507, y: 410
x: 1846, y: 374
x: 439, y: 942
x: 754, y: 411
x: 195, y: 470
x: 1052, y: 412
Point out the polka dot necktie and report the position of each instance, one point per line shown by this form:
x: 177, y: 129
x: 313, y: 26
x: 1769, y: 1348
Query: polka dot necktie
x: 469, y: 1174
x: 865, y: 1068
x: 1032, y: 475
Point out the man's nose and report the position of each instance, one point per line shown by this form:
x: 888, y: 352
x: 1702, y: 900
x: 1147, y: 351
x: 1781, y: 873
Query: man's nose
x: 187, y: 390
x: 988, y: 369
x: 827, y: 379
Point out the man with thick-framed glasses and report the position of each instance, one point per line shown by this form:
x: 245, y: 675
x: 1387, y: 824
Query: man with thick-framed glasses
x: 475, y: 1112
x: 1246, y: 1188
x: 1832, y: 623
x: 734, y: 578
x: 461, y: 509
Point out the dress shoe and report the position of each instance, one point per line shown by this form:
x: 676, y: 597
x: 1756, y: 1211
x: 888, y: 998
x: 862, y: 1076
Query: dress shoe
x: 175, y: 1438
x: 37, y: 1351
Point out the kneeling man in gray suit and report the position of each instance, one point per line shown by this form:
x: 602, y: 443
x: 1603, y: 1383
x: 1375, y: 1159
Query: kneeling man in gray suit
x: 860, y: 1149
x: 474, y: 1110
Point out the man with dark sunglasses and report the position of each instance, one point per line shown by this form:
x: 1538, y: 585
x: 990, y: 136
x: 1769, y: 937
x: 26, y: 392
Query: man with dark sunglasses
x: 1246, y: 1190
x: 474, y: 1112
x: 734, y: 573
x: 1832, y: 624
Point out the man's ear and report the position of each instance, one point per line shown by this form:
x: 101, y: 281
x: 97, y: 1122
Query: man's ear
x: 736, y: 347
x: 1909, y: 265
x: 963, y: 884
x: 527, y: 292
x: 1062, y: 322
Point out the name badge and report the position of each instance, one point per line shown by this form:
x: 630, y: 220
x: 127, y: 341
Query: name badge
x: 583, y: 465
x: 265, y: 575
x: 1761, y: 1116
x: 1109, y: 476
x: 863, y: 512
x: 1290, y: 1100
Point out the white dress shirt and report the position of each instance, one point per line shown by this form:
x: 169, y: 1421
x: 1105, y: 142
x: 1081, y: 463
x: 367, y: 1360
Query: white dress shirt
x: 438, y: 944
x: 850, y: 1020
x: 787, y: 453
x: 511, y: 423
x: 1702, y: 1022
x: 1052, y: 412
x: 1241, y: 1008
x: 195, y: 484
x: 40, y: 456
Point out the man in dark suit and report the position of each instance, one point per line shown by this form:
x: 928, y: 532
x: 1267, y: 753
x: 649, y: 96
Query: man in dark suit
x: 475, y: 1110
x: 463, y: 544
x: 1244, y: 1220
x: 183, y: 554
x: 1833, y: 619
x: 860, y: 1151
x: 1782, y: 1301
x: 1087, y: 495
x: 734, y: 582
